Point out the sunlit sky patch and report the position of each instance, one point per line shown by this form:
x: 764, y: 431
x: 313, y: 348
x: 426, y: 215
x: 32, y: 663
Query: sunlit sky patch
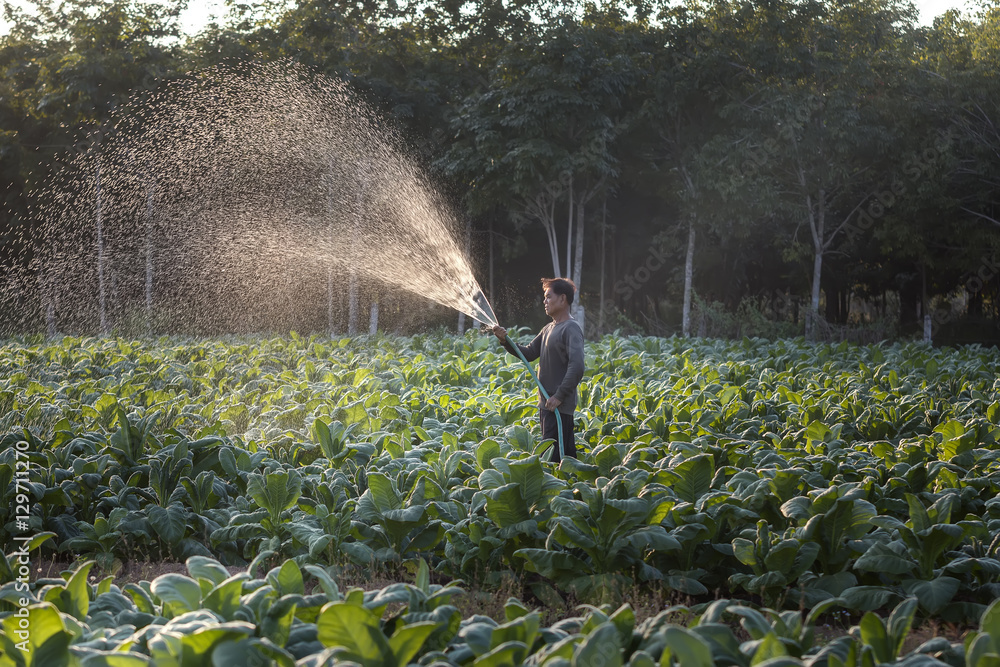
x: 201, y: 12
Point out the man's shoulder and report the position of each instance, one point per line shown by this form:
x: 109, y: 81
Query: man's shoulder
x: 567, y: 329
x: 571, y: 325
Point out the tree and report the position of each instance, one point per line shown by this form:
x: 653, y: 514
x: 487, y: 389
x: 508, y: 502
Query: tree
x: 65, y: 69
x: 689, y: 86
x: 823, y: 70
x: 542, y: 131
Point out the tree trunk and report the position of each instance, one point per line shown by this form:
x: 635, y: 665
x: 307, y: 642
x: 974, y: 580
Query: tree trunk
x: 688, y: 280
x: 149, y: 259
x: 492, y: 293
x: 352, y: 288
x: 909, y: 300
x: 549, y: 222
x: 924, y: 309
x: 330, y: 326
x: 101, y: 296
x: 569, y: 232
x: 543, y: 209
x: 352, y: 304
x: 468, y: 251
x: 817, y: 221
x: 578, y: 310
x: 373, y: 319
x: 604, y: 224
x: 50, y: 303
x: 812, y: 316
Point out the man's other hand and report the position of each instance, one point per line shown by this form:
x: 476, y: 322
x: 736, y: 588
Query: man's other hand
x: 500, y: 333
x: 552, y: 403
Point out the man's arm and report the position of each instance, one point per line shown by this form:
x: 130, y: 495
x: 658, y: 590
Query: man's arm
x: 574, y: 367
x: 531, y: 351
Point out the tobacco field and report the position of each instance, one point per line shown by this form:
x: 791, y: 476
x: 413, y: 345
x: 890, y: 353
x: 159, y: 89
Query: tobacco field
x: 760, y: 486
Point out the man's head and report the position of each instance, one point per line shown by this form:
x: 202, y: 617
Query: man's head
x: 559, y: 293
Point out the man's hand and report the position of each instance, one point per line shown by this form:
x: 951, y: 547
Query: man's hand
x: 552, y: 403
x: 500, y: 333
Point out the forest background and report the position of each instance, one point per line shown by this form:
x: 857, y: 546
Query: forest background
x: 773, y: 168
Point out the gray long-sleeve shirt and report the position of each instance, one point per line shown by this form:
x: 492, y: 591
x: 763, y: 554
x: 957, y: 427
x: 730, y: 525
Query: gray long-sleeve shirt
x: 559, y: 349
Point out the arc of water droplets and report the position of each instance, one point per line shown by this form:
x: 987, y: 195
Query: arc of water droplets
x: 243, y: 185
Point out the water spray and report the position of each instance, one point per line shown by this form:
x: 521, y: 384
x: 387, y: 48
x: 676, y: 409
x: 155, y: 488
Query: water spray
x: 235, y: 189
x: 482, y: 311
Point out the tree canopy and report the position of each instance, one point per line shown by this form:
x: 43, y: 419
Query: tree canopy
x: 771, y: 167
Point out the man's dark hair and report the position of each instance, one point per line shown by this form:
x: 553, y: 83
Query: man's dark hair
x: 563, y: 286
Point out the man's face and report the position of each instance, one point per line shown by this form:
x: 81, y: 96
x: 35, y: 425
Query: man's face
x: 553, y: 302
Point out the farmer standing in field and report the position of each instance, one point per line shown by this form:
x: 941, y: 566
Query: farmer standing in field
x: 559, y: 349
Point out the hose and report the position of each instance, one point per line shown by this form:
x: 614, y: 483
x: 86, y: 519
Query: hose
x: 545, y: 395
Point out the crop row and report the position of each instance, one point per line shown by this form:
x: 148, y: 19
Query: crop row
x: 293, y: 617
x: 786, y: 473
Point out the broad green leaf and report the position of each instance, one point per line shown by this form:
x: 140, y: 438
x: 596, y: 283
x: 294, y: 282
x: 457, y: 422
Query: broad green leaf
x: 752, y: 621
x: 882, y: 558
x: 552, y: 564
x: 528, y: 474
x: 506, y: 506
x: 932, y: 595
x: 277, y: 620
x: 46, y: 635
x: 200, y: 567
x: 990, y: 622
x: 115, y: 659
x: 224, y: 598
x: 355, y: 628
x: 179, y: 594
x: 867, y: 598
x: 406, y: 642
x: 694, y: 477
x: 919, y: 520
x: 744, y: 551
x: 170, y: 523
x: 689, y: 649
x: 76, y: 597
x: 287, y: 579
x: 770, y: 647
x: 326, y: 582
x: 899, y: 623
x: 275, y: 491
x: 486, y: 451
x: 521, y: 438
x: 601, y: 647
x: 250, y: 651
x: 509, y: 653
x: 383, y: 493
x: 873, y: 634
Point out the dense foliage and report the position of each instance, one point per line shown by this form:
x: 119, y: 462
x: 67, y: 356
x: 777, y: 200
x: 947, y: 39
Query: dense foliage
x: 786, y: 474
x: 792, y: 154
x: 213, y: 617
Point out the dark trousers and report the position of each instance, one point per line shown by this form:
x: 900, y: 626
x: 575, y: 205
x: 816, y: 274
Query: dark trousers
x: 550, y: 431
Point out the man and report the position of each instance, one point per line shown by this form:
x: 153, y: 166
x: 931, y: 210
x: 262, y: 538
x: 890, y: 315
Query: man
x: 559, y: 349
